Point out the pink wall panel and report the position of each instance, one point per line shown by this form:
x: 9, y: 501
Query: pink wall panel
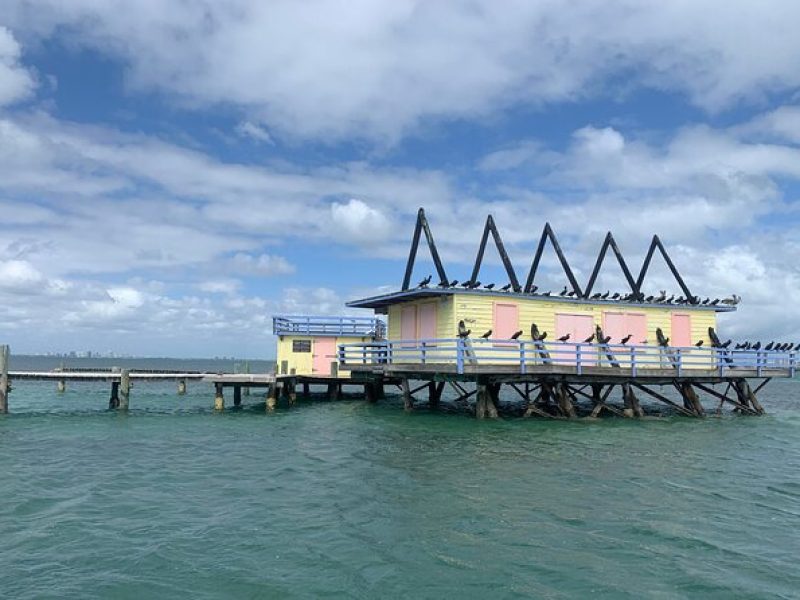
x: 579, y: 327
x: 681, y: 334
x: 426, y: 321
x: 506, y: 321
x: 408, y: 323
x: 324, y: 355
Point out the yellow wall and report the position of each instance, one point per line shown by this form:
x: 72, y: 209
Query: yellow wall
x: 303, y: 362
x: 477, y: 311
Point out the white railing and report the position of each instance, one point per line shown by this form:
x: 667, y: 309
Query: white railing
x: 526, y: 354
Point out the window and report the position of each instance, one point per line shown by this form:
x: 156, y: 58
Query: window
x: 301, y: 345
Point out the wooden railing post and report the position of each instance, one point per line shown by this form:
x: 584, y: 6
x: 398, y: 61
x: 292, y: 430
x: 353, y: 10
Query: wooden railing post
x: 633, y: 361
x: 522, y: 366
x: 758, y: 362
x: 578, y: 356
x: 4, y: 352
x: 423, y: 351
x: 791, y: 364
x: 460, y: 356
x: 678, y: 360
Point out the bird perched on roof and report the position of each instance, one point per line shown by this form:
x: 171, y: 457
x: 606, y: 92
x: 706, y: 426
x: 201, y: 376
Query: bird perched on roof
x: 733, y: 300
x: 596, y: 296
x: 466, y: 284
x: 489, y: 286
x: 425, y: 282
x: 571, y: 293
x: 662, y: 295
x: 533, y: 290
x: 769, y: 346
x: 796, y: 348
x: 454, y: 283
x: 699, y: 344
x: 547, y: 293
x: 756, y: 346
x: 486, y: 335
x: 649, y: 299
x: 714, y: 302
x: 626, y: 339
x: 604, y: 296
x: 516, y: 334
x: 563, y: 292
x: 506, y: 287
x: 474, y: 285
x: 615, y: 296
x: 563, y: 338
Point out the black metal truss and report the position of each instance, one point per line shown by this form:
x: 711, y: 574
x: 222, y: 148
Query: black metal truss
x: 547, y: 233
x: 422, y: 225
x: 610, y: 242
x: 656, y: 243
x: 501, y: 249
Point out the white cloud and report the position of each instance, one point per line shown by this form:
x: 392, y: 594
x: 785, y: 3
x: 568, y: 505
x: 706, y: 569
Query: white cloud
x: 378, y: 71
x: 219, y: 286
x: 20, y: 276
x: 254, y: 131
x: 264, y: 265
x: 358, y: 221
x: 16, y: 82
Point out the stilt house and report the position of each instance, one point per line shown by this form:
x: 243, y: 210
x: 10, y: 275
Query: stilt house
x: 564, y: 323
x: 307, y: 344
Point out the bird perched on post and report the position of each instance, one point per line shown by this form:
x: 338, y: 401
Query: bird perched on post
x: 563, y: 338
x: 516, y: 335
x: 487, y: 334
x: 425, y: 282
x: 463, y: 332
x: 626, y: 339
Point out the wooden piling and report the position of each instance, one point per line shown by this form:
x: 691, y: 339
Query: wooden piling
x: 370, y: 393
x: 219, y: 398
x: 237, y: 395
x: 181, y: 387
x: 124, y: 389
x: 565, y: 405
x: 408, y: 399
x: 4, y: 355
x: 272, y: 396
x: 690, y: 399
x: 334, y: 391
x: 61, y: 386
x: 632, y: 408
x: 485, y: 406
x: 113, y: 401
x: 306, y: 390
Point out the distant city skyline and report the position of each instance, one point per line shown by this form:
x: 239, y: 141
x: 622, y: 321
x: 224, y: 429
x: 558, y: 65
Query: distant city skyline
x: 173, y: 176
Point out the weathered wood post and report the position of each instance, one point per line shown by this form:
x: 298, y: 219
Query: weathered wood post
x: 565, y: 405
x: 181, y: 387
x: 306, y: 389
x: 272, y: 395
x: 632, y: 408
x: 408, y: 399
x: 690, y: 399
x: 219, y: 398
x: 4, y: 353
x: 113, y: 401
x: 124, y: 389
x: 61, y: 386
x: 237, y: 395
x: 247, y: 371
x: 369, y: 393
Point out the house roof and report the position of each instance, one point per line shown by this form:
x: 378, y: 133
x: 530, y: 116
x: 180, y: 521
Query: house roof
x: 382, y: 302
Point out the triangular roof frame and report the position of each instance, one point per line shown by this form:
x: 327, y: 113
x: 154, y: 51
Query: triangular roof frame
x: 501, y: 249
x: 610, y: 242
x: 656, y: 243
x: 547, y: 233
x: 422, y: 225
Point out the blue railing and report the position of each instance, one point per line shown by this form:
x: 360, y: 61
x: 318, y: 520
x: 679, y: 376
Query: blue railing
x: 328, y: 326
x: 522, y: 356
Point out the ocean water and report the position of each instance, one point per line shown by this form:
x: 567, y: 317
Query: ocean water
x: 350, y: 500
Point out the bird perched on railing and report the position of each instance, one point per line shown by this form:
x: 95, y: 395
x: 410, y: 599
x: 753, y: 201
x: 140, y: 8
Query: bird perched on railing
x: 626, y: 339
x: 536, y: 336
x: 486, y: 335
x: 516, y: 334
x: 564, y: 338
x: 605, y: 340
x: 699, y: 344
x: 425, y: 282
x: 589, y: 339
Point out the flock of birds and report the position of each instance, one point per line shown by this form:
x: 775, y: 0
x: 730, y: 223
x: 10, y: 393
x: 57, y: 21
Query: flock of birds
x: 603, y: 340
x: 660, y: 298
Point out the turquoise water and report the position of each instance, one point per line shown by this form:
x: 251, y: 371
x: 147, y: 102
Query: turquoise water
x: 351, y: 500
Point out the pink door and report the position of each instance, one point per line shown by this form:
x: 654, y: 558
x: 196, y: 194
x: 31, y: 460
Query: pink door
x: 619, y: 325
x: 579, y: 327
x: 324, y: 355
x: 426, y: 321
x: 408, y: 323
x: 506, y: 321
x: 636, y: 324
x: 681, y: 334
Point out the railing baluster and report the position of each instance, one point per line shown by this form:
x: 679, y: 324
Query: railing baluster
x: 522, y: 366
x: 633, y: 361
x: 679, y: 360
x: 758, y: 363
x: 460, y: 356
x: 578, y: 365
x: 423, y: 351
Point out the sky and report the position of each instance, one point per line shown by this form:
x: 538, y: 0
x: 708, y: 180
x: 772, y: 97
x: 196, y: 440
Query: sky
x: 174, y: 173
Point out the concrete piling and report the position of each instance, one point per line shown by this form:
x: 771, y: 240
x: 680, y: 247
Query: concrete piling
x: 181, y: 387
x: 124, y: 389
x: 219, y: 398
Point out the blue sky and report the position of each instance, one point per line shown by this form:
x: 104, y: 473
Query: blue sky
x: 173, y: 174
